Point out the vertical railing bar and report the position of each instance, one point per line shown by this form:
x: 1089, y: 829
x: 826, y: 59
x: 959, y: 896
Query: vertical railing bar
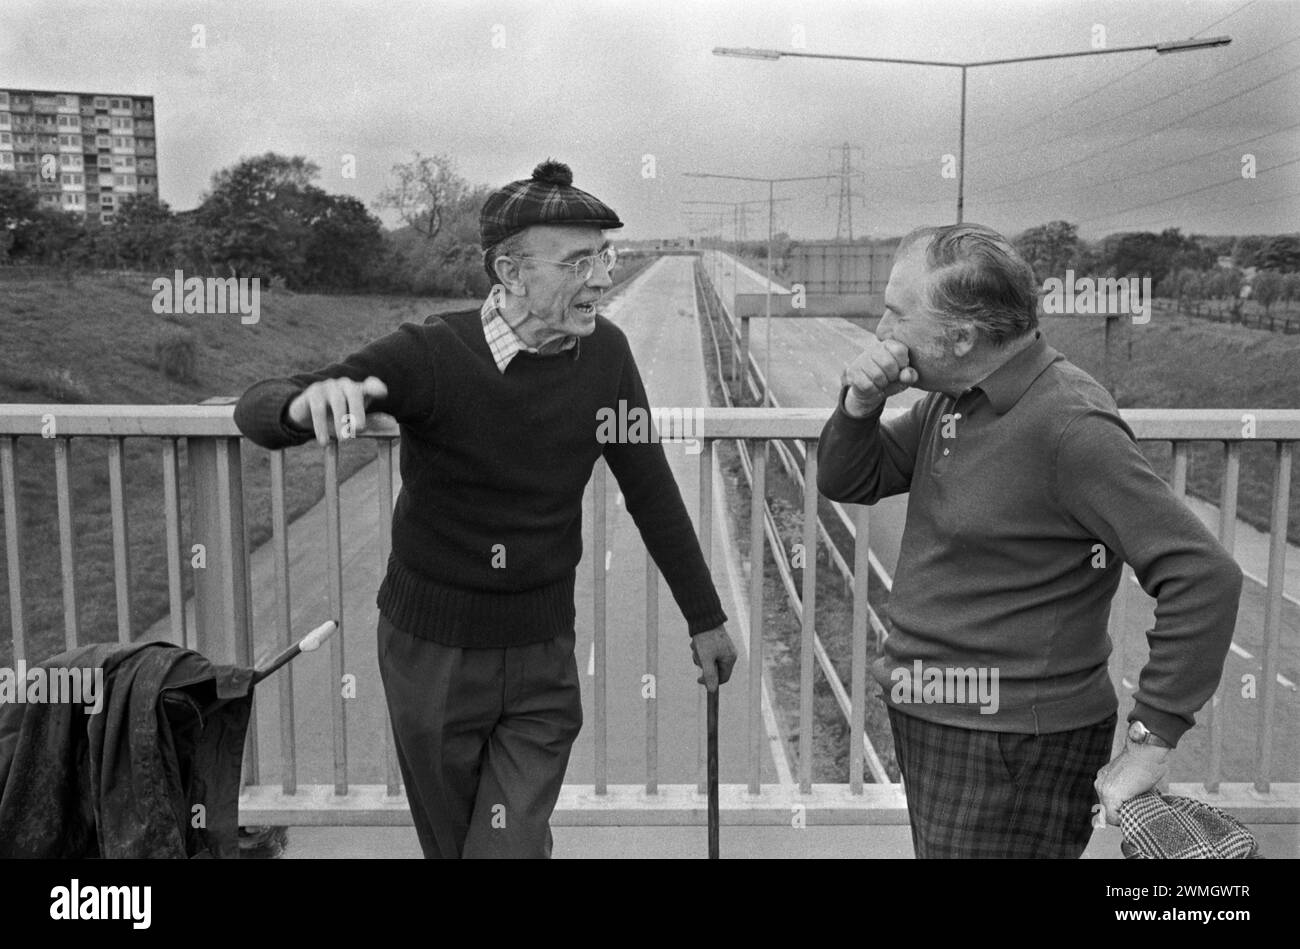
x: 392, y: 773
x: 1179, y: 483
x: 861, y: 606
x: 67, y: 543
x: 172, y: 513
x: 121, y: 540
x: 706, y: 548
x: 284, y: 620
x: 334, y: 581
x: 599, y: 545
x: 1273, y: 612
x: 757, y: 560
x: 13, y: 563
x: 231, y: 608
x: 1228, y: 538
x: 652, y: 669
x: 809, y: 600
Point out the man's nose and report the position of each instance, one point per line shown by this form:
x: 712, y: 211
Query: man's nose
x: 885, y: 328
x: 600, y: 276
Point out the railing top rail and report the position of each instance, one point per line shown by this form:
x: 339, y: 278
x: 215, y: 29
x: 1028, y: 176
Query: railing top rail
x: 217, y: 421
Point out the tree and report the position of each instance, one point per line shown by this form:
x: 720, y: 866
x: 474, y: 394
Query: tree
x: 1050, y: 248
x: 20, y: 217
x: 256, y: 216
x: 144, y: 232
x: 1280, y: 253
x: 345, y: 241
x: 425, y: 189
x: 1265, y: 290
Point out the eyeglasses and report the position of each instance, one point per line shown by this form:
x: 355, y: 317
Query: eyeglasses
x: 583, y: 267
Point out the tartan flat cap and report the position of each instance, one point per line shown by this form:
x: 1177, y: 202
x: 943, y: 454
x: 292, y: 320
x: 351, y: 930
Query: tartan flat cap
x: 1162, y: 827
x: 548, y: 197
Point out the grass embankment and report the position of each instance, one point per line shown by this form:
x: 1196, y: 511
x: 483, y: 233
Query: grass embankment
x: 97, y: 340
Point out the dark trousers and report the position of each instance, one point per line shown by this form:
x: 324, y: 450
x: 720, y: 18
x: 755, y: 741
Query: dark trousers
x: 989, y: 794
x: 483, y: 739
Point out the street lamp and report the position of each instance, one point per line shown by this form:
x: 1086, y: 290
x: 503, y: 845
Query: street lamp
x: 771, y: 205
x: 1177, y: 46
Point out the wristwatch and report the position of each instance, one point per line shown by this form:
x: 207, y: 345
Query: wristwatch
x: 1139, y: 734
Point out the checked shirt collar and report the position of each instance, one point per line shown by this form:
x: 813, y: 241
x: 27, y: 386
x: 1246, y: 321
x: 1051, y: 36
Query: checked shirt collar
x: 502, y: 339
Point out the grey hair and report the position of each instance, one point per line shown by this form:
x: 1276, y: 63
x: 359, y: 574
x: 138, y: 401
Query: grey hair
x: 503, y: 248
x: 978, y: 276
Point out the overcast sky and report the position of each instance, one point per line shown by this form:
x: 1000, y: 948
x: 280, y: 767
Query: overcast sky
x: 1113, y: 142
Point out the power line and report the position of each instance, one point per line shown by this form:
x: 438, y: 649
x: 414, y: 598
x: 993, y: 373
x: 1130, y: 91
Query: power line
x: 1150, y: 171
x: 1185, y: 194
x: 1113, y: 148
x: 1226, y: 207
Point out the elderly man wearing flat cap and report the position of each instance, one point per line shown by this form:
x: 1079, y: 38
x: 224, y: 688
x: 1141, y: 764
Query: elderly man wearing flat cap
x: 499, y: 412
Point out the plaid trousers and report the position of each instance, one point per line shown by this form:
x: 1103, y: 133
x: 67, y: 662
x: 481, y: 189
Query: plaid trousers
x: 985, y: 794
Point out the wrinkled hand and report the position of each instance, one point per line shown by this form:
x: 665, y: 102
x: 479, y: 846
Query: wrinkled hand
x: 880, y: 371
x: 1136, y: 769
x: 344, y: 399
x: 714, y: 653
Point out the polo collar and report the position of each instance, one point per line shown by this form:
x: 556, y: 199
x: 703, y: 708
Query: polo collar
x: 1005, y: 385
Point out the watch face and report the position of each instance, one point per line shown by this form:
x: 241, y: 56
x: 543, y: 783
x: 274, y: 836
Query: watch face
x: 1137, y: 733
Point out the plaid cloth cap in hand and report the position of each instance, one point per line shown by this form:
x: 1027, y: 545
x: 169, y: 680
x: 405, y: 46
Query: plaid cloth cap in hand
x: 1160, y: 827
x: 548, y: 197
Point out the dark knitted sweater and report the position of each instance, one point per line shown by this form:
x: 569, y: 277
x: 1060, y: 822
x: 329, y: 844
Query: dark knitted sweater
x: 487, y: 530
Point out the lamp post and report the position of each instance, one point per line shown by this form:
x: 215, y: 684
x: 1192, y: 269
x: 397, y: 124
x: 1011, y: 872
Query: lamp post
x: 1179, y: 46
x: 771, y: 205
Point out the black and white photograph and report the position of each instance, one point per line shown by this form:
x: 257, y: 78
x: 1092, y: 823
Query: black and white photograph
x: 613, y: 429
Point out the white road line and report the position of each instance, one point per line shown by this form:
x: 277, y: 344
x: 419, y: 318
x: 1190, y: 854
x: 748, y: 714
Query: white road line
x: 609, y: 555
x: 591, y: 659
x: 618, y: 499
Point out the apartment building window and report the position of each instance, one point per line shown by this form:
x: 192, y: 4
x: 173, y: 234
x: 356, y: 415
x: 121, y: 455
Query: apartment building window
x: 6, y: 138
x: 69, y: 122
x: 70, y: 161
x: 74, y: 200
x: 103, y: 122
x: 105, y: 161
x: 25, y: 141
x: 4, y: 120
x: 68, y: 101
x: 101, y: 102
x: 73, y: 179
x: 106, y: 201
x: 6, y: 159
x: 4, y: 99
x: 122, y: 124
x: 119, y: 142
x: 104, y: 141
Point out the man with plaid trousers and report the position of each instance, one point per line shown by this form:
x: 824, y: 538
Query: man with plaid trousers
x: 1027, y: 493
x: 499, y: 411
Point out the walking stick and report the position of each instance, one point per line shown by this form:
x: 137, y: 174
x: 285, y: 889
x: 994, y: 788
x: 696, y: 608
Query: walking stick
x: 713, y: 773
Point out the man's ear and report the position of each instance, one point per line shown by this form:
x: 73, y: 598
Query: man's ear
x: 963, y: 336
x: 510, y: 275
